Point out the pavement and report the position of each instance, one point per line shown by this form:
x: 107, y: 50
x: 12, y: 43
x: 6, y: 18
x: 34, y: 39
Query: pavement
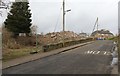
x: 33, y: 57
x: 93, y: 58
x: 114, y: 63
x: 115, y: 70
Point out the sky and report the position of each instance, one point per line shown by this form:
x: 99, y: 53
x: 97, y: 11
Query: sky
x: 47, y: 15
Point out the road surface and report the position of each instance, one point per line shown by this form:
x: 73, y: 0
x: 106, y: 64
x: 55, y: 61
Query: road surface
x: 93, y: 58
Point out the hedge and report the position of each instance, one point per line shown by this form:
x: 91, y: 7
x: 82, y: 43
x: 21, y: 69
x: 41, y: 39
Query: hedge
x: 50, y: 47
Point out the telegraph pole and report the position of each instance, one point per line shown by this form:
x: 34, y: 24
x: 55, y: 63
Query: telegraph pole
x: 64, y: 12
x: 36, y: 39
x: 97, y: 28
x: 63, y: 21
x: 63, y: 15
x: 97, y: 24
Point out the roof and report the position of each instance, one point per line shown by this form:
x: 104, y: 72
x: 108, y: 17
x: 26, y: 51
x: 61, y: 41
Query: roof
x: 83, y: 33
x: 101, y: 32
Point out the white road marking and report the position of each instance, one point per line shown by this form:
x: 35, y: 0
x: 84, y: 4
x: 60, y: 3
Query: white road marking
x: 89, y: 52
x: 98, y: 52
x: 105, y: 53
x: 93, y: 52
x: 108, y: 53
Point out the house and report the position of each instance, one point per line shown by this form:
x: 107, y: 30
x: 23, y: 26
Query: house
x: 102, y: 34
x: 83, y: 35
x: 22, y: 34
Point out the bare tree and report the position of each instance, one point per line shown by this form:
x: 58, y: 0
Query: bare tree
x: 4, y: 5
x: 34, y: 29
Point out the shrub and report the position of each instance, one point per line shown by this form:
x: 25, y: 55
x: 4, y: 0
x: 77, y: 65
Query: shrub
x: 50, y: 47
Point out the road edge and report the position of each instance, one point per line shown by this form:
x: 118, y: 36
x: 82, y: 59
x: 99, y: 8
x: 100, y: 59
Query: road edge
x: 54, y: 53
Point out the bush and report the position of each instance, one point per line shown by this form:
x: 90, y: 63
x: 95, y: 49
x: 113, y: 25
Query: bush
x: 26, y: 41
x: 8, y: 41
x: 50, y: 47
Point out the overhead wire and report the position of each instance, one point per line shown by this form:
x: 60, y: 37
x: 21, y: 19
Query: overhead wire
x: 57, y: 21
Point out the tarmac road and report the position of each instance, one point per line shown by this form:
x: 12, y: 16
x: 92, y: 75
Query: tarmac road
x: 93, y: 58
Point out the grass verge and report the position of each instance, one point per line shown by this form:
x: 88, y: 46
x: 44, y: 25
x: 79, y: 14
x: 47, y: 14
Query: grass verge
x: 10, y: 54
x: 119, y: 53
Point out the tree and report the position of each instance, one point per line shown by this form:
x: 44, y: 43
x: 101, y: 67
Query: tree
x: 34, y: 29
x: 18, y: 20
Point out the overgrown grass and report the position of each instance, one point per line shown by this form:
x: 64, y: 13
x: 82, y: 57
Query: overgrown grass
x: 111, y: 38
x: 9, y: 54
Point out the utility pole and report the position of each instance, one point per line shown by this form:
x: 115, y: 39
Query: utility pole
x: 97, y: 24
x: 63, y: 15
x: 63, y: 22
x: 97, y: 28
x: 36, y: 39
x: 36, y: 43
x: 64, y: 12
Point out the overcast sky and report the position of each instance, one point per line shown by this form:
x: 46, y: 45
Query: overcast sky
x: 47, y: 15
